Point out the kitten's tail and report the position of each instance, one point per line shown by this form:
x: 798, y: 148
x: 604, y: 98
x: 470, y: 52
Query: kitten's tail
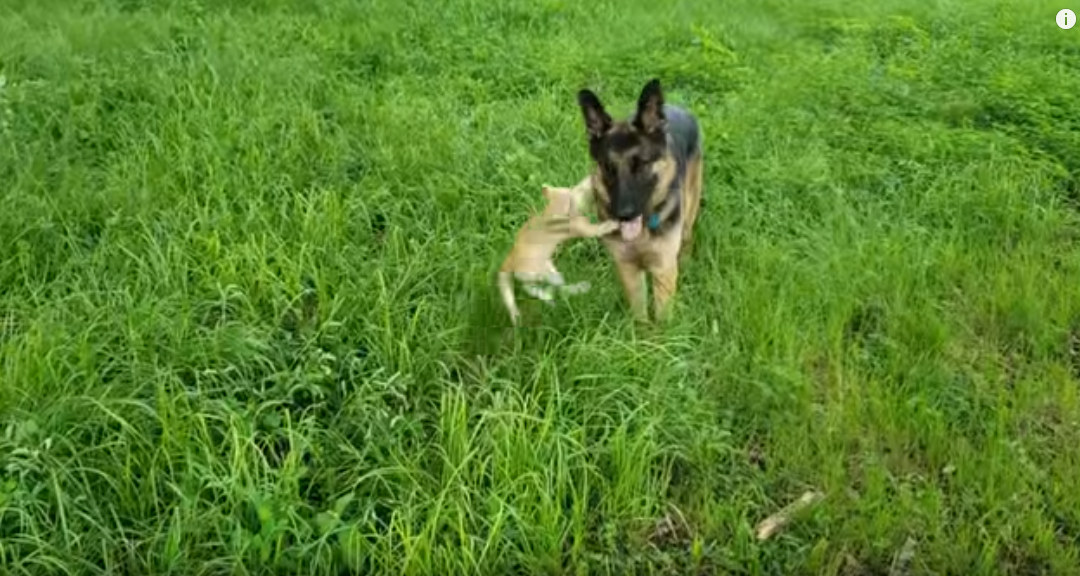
x: 506, y: 289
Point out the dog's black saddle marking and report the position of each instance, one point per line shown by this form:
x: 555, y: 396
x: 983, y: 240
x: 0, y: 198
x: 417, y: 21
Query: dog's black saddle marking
x: 683, y: 140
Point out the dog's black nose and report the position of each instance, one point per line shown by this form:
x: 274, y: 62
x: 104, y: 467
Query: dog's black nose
x: 624, y: 212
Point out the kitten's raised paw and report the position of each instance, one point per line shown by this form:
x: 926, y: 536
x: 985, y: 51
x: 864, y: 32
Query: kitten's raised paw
x: 608, y: 227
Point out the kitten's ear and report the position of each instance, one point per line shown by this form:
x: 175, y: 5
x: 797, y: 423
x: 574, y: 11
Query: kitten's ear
x: 597, y: 120
x: 650, y: 113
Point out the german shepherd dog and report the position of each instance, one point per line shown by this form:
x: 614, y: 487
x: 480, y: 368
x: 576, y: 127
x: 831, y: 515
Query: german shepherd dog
x: 646, y: 174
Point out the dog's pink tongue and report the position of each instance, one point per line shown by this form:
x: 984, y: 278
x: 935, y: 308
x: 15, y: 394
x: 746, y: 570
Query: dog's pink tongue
x: 631, y: 229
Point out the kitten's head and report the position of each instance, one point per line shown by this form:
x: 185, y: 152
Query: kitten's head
x: 560, y: 201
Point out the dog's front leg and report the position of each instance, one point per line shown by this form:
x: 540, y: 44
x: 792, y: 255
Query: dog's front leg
x: 632, y: 278
x: 665, y: 282
x: 663, y: 267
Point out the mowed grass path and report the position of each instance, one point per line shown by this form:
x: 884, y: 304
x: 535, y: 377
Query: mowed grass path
x: 247, y: 323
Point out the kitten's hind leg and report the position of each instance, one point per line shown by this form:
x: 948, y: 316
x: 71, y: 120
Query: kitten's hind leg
x: 576, y: 288
x: 546, y: 295
x: 534, y: 290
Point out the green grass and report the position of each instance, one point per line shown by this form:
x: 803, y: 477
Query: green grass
x: 248, y: 325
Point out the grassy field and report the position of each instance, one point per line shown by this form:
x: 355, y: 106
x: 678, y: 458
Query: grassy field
x: 247, y: 322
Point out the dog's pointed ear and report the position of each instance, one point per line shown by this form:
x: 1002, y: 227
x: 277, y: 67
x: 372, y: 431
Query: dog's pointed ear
x: 597, y: 120
x: 650, y: 111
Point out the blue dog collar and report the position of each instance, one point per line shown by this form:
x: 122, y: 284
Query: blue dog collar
x: 654, y: 221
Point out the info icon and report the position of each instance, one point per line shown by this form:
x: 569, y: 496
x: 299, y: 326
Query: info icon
x: 1066, y: 19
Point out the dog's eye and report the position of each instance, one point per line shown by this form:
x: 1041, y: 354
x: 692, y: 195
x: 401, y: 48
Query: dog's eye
x: 635, y: 164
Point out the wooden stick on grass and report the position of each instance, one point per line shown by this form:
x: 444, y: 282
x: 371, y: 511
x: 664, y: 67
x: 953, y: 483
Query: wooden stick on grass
x: 773, y: 524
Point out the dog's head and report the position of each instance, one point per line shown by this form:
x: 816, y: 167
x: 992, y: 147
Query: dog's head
x: 633, y: 163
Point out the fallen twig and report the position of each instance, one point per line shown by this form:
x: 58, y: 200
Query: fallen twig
x: 773, y: 524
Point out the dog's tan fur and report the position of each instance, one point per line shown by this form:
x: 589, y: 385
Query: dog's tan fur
x: 531, y: 259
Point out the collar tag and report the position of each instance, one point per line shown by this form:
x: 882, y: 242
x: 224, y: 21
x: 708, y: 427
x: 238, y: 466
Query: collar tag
x: 654, y: 221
